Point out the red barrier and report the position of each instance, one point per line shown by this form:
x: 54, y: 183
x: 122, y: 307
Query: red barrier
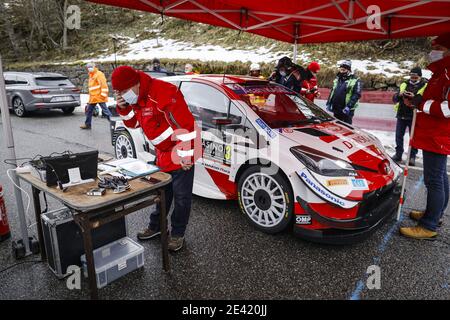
x: 368, y: 96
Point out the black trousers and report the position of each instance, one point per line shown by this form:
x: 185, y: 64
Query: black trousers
x: 180, y: 190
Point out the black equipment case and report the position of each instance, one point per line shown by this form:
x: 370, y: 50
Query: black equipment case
x: 64, y: 242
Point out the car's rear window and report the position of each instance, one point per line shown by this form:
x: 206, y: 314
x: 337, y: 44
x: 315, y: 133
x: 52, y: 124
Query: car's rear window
x: 53, y: 81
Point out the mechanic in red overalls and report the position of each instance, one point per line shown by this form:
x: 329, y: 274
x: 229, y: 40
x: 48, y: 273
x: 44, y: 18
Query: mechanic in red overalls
x: 309, y: 88
x: 432, y: 135
x: 159, y: 108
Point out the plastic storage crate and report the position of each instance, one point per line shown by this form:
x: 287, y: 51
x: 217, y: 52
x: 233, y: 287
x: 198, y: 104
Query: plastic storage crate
x: 115, y: 260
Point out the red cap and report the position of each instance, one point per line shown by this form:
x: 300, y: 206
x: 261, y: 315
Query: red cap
x: 124, y: 77
x: 443, y: 40
x: 314, y: 66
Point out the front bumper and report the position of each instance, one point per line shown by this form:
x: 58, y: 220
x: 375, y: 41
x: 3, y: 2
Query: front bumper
x: 376, y: 208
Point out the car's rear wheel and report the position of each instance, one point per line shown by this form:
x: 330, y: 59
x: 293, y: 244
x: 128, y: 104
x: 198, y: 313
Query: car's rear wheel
x: 266, y: 199
x: 124, y: 146
x: 19, y: 107
x: 68, y: 110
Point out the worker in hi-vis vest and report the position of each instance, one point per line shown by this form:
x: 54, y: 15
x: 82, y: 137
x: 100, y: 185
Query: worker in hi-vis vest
x: 345, y: 94
x: 98, y: 93
x: 414, y: 86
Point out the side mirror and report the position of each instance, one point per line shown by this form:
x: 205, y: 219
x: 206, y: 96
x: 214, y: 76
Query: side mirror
x: 221, y: 121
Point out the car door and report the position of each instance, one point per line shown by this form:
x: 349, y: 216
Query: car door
x: 209, y: 105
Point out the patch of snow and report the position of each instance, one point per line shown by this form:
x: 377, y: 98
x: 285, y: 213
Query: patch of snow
x: 387, y: 139
x: 171, y: 49
x: 380, y: 66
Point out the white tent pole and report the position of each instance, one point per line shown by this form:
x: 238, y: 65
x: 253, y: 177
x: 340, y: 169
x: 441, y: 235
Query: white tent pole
x: 295, y: 51
x: 11, y: 154
x: 296, y: 34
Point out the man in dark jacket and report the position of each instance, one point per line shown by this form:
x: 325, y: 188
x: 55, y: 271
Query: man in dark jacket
x: 289, y: 74
x: 414, y: 86
x: 432, y: 136
x: 345, y: 94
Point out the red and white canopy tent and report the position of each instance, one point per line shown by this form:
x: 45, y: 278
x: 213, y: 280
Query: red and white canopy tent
x: 309, y: 21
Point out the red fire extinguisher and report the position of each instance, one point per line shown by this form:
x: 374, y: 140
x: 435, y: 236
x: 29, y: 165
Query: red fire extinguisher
x: 4, y: 226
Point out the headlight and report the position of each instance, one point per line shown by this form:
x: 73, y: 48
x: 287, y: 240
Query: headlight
x: 322, y: 164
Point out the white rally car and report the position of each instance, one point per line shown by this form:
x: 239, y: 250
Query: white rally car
x: 285, y: 159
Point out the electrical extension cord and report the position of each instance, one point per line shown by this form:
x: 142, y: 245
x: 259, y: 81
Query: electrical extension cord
x: 24, y: 169
x: 22, y: 190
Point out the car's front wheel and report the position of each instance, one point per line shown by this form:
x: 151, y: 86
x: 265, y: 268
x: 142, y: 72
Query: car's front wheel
x: 266, y: 199
x: 19, y: 107
x: 124, y: 146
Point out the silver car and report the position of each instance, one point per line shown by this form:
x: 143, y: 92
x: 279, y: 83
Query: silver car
x: 26, y: 91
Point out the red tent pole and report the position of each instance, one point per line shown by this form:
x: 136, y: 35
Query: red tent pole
x: 405, y: 170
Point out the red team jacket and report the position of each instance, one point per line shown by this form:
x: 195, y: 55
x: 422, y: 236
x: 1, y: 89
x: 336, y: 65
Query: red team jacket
x: 166, y: 120
x: 307, y: 85
x: 432, y: 131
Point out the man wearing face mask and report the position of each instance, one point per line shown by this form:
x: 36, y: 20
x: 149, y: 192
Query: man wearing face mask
x: 98, y: 94
x: 156, y: 66
x: 432, y: 135
x: 289, y: 74
x: 158, y: 107
x: 345, y: 94
x: 414, y: 86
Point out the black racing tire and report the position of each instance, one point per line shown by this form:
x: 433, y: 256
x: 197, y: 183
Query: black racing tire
x: 19, y: 107
x: 271, y: 206
x: 124, y: 145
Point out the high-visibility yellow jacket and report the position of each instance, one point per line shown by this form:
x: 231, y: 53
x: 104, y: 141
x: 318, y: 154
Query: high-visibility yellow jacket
x: 98, y: 88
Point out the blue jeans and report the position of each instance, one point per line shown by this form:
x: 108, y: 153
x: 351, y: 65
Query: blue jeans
x: 90, y: 111
x: 402, y: 125
x: 179, y: 189
x: 436, y: 181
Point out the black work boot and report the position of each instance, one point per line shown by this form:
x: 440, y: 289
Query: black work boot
x: 397, y: 157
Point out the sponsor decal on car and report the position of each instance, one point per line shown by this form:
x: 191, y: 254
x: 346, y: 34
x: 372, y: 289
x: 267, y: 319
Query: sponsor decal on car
x: 303, y: 219
x: 337, y: 182
x: 322, y: 192
x: 359, y: 184
x: 216, y: 151
x: 260, y: 122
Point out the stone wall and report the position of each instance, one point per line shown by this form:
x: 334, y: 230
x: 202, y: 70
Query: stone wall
x: 77, y: 72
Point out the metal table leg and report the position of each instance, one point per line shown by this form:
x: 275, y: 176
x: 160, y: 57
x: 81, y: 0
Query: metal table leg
x: 163, y: 226
x: 38, y: 212
x: 88, y: 249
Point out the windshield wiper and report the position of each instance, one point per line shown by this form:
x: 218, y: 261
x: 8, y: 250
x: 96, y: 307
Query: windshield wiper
x: 313, y: 119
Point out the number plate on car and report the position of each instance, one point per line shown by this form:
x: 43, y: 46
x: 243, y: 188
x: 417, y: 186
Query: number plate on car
x: 62, y: 99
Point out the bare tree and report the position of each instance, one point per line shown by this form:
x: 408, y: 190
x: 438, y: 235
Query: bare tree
x: 9, y: 29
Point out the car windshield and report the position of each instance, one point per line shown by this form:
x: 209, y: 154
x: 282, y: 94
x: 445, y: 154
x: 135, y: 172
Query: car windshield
x: 53, y: 81
x: 279, y: 107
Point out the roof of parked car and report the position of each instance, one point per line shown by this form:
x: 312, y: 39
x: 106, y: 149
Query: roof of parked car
x: 38, y: 74
x: 216, y: 78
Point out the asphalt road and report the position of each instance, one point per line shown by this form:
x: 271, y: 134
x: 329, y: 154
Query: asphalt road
x: 225, y: 258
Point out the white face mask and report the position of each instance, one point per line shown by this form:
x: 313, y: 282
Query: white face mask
x: 130, y: 97
x: 90, y: 69
x: 435, y: 55
x: 283, y: 73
